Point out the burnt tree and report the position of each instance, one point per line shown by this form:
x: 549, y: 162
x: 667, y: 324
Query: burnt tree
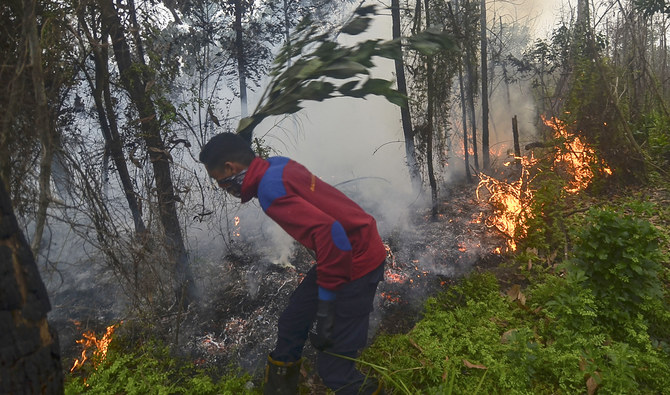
x: 29, y: 352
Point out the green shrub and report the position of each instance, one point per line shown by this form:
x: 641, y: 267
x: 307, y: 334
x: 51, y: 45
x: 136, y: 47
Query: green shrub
x: 151, y: 370
x: 618, y: 258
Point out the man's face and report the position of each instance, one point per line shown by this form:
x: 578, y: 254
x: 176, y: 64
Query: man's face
x: 224, y: 177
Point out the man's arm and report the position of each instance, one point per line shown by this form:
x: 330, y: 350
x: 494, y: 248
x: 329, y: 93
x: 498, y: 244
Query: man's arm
x: 317, y: 231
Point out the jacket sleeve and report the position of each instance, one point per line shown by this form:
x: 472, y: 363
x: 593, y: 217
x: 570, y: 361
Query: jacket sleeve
x: 318, y: 231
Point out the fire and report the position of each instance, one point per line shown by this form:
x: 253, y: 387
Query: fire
x: 90, y: 341
x: 390, y: 297
x: 236, y: 224
x: 577, y: 158
x: 510, y: 202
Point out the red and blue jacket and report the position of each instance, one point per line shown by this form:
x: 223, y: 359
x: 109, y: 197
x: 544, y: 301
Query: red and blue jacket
x: 320, y: 217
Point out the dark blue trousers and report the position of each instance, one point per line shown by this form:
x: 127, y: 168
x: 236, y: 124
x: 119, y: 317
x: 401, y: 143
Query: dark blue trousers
x: 350, y: 333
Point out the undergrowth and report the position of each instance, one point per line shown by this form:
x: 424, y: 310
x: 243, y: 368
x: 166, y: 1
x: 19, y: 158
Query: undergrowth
x: 598, y: 321
x: 150, y: 369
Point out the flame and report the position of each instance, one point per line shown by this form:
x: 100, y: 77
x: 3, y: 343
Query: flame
x: 509, y: 201
x: 577, y: 158
x: 90, y: 341
x: 236, y: 223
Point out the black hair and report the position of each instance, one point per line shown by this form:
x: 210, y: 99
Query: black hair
x: 226, y: 147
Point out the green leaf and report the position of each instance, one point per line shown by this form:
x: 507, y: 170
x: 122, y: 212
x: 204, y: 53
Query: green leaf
x: 344, y: 69
x: 376, y: 86
x: 357, y: 26
x: 289, y: 106
x: 396, y: 98
x: 247, y: 125
x: 363, y: 11
x: 432, y: 41
x: 390, y: 49
x: 347, y: 87
x: 317, y: 90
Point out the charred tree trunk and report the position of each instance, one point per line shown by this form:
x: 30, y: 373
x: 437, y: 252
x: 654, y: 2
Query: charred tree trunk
x: 410, y: 149
x: 133, y: 82
x: 239, y: 50
x: 485, y: 94
x: 42, y: 121
x: 430, y: 124
x: 29, y: 352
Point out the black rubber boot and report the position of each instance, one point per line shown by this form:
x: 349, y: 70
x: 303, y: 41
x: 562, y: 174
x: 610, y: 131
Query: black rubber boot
x: 281, y: 378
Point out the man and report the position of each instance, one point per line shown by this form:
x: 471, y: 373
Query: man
x: 337, y: 292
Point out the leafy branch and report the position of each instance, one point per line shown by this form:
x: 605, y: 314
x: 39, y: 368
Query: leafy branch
x: 325, y: 69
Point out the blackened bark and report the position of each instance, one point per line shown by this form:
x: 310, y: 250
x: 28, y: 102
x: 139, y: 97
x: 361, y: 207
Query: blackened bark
x: 410, y: 149
x: 133, y: 82
x: 29, y: 352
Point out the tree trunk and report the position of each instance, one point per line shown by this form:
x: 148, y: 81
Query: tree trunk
x: 466, y: 149
x: 107, y: 118
x: 42, y: 122
x: 132, y: 81
x: 29, y: 352
x: 239, y: 50
x: 410, y: 149
x: 430, y: 124
x: 485, y: 94
x: 470, y: 75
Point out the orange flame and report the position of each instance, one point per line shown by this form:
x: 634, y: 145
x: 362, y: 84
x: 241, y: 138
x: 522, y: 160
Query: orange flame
x: 577, y: 158
x: 90, y: 341
x: 509, y: 201
x: 236, y: 223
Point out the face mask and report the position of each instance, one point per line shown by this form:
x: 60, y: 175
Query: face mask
x: 233, y: 184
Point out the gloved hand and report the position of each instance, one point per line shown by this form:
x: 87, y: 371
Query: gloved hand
x: 322, y: 338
